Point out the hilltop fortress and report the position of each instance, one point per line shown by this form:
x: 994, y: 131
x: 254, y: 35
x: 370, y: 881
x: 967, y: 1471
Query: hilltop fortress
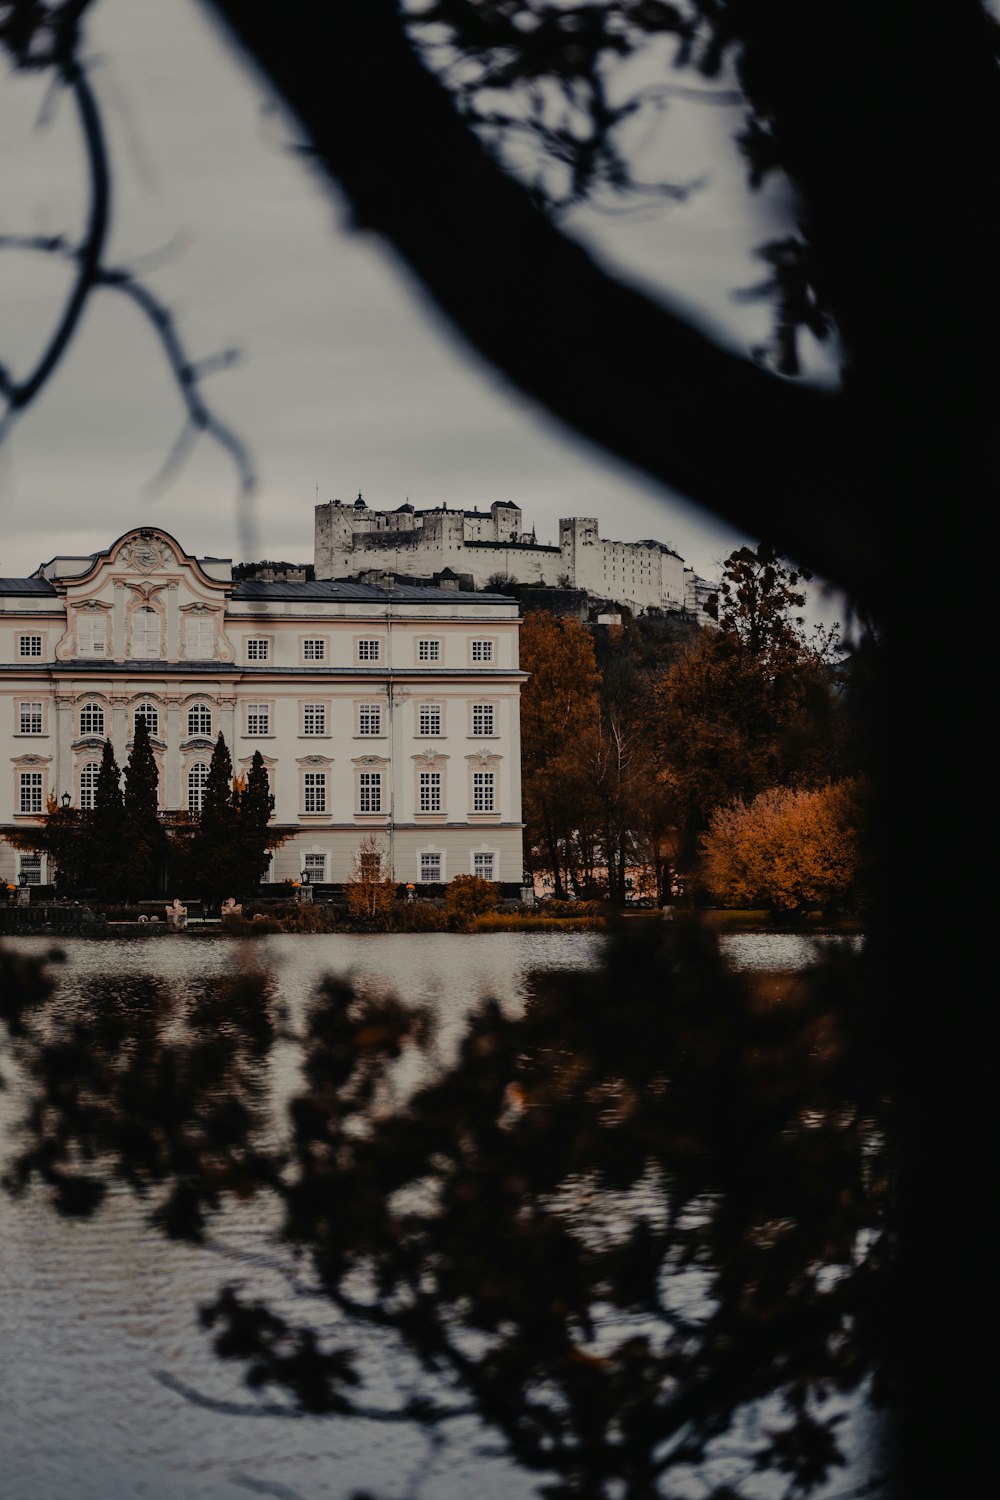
x: 492, y: 545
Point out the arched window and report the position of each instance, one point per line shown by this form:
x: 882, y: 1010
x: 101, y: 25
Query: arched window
x: 151, y: 714
x: 145, y: 634
x: 197, y: 779
x: 88, y: 785
x: 200, y: 719
x: 92, y: 719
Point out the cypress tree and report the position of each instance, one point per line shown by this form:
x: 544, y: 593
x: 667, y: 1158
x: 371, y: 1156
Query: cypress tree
x: 144, y: 841
x: 215, y: 849
x: 255, y: 804
x: 104, y: 831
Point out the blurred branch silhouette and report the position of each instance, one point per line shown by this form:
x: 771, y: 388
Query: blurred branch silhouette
x: 603, y: 1229
x: 39, y: 38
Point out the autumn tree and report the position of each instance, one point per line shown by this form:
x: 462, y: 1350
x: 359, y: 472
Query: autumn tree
x: 632, y: 805
x: 559, y: 719
x: 371, y: 894
x: 469, y: 896
x: 750, y: 704
x: 788, y: 849
x: 143, y: 841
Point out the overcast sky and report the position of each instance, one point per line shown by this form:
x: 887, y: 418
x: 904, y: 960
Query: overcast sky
x: 347, y: 380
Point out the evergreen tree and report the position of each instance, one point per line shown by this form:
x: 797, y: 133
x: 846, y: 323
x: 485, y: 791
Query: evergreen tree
x: 105, y: 822
x: 143, y: 838
x: 254, y: 804
x: 215, y: 849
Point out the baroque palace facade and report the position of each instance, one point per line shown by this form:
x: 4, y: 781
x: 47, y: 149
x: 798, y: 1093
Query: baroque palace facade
x: 385, y: 710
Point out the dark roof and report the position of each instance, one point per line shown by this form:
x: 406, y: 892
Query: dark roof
x: 327, y: 589
x: 26, y: 586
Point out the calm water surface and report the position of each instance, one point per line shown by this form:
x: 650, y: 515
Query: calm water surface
x: 97, y: 1319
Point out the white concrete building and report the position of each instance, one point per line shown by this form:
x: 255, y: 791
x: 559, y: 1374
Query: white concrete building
x: 644, y: 575
x: 394, y: 711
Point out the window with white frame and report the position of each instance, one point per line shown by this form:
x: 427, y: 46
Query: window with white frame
x: 199, y: 719
x: 151, y: 714
x: 370, y: 791
x: 92, y: 635
x: 29, y: 645
x: 314, y: 791
x: 483, y: 866
x: 314, y: 650
x: 30, y: 792
x: 369, y: 718
x: 199, y: 637
x: 314, y: 718
x: 430, y: 792
x: 30, y: 866
x: 30, y: 718
x: 429, y: 718
x: 369, y: 650
x: 197, y: 782
x: 92, y: 719
x: 145, y: 634
x: 483, y: 785
x: 258, y: 649
x: 258, y: 718
x: 482, y: 650
x: 315, y: 867
x: 428, y: 650
x: 482, y: 719
x: 430, y: 868
x: 88, y: 785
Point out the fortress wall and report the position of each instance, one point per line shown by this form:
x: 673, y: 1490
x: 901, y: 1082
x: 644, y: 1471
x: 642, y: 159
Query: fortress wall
x: 418, y: 544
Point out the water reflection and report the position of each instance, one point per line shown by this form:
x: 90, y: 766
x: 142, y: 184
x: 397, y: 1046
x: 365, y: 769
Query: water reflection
x: 563, y: 1268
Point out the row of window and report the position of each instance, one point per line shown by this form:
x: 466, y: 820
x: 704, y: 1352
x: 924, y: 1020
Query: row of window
x: 315, y: 790
x: 430, y: 789
x: 430, y: 719
x: 93, y: 718
x: 431, y: 867
x: 146, y: 642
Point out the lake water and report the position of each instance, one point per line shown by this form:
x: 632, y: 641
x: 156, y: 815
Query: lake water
x: 97, y: 1318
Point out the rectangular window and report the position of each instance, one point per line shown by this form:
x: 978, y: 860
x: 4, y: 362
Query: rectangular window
x: 482, y: 791
x: 199, y: 638
x: 314, y: 718
x: 314, y: 791
x: 315, y: 867
x: 369, y: 718
x: 429, y: 651
x: 482, y: 865
x: 92, y: 635
x: 30, y: 800
x: 258, y: 650
x: 482, y: 651
x: 30, y: 718
x: 482, y: 718
x: 430, y: 791
x: 368, y: 650
x: 30, y: 866
x: 430, y: 867
x: 314, y: 651
x: 258, y: 718
x: 370, y: 792
x: 29, y: 645
x: 429, y: 718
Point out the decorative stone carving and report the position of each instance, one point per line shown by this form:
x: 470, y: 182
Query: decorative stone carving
x: 145, y: 552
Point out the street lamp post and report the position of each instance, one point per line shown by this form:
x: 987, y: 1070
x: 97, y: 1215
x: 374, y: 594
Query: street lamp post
x: 305, y: 889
